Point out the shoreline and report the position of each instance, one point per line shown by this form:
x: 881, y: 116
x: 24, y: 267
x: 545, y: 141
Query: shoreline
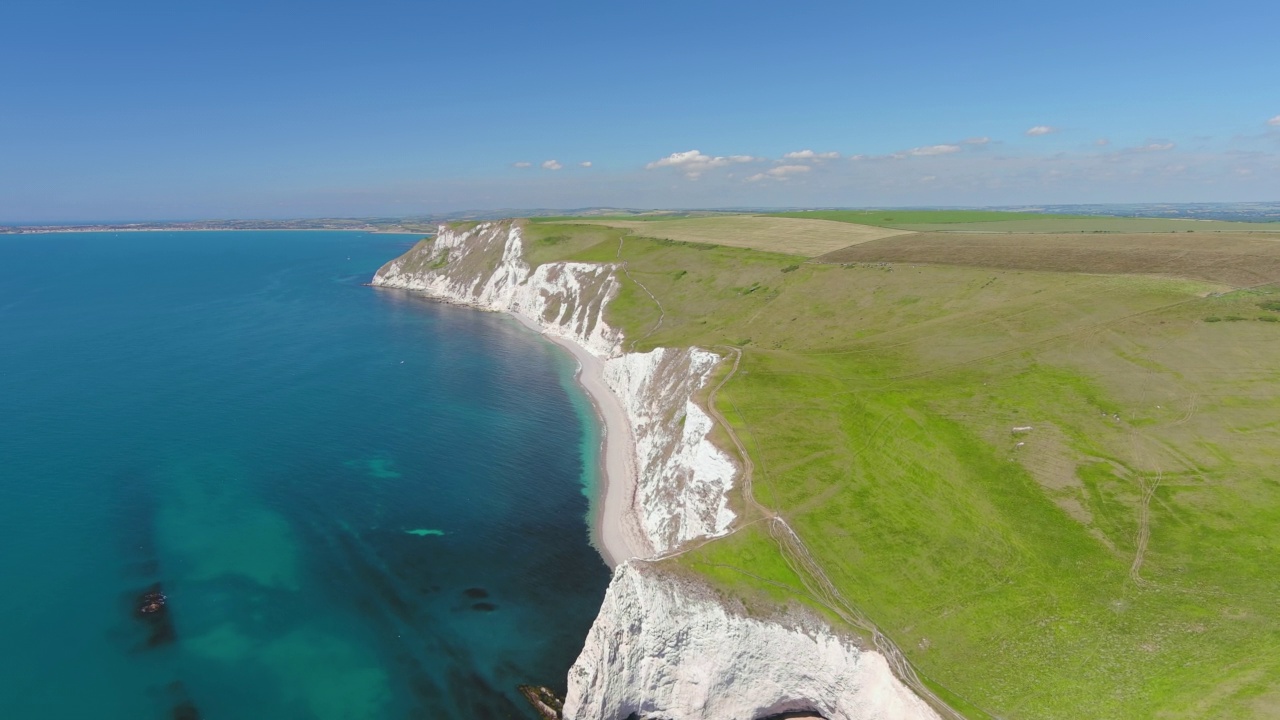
x: 91, y: 230
x: 613, y: 532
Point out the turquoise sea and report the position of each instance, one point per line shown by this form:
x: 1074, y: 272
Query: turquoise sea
x: 358, y: 503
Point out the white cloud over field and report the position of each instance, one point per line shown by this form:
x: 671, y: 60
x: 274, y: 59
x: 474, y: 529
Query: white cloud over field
x: 693, y: 163
x: 811, y: 155
x: 782, y: 172
x: 931, y: 150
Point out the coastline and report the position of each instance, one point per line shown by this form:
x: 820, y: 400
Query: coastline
x: 657, y: 642
x: 64, y: 230
x: 614, y: 531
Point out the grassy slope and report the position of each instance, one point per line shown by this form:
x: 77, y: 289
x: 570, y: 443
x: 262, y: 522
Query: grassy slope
x: 548, y: 241
x: 878, y: 402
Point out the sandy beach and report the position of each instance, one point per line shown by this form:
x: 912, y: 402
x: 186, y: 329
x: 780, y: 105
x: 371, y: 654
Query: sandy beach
x: 615, y: 532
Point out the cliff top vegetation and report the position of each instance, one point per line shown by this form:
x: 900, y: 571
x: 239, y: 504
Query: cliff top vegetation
x: 1034, y: 462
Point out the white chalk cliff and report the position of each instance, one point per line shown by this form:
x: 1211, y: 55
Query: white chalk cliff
x: 685, y: 478
x: 661, y: 647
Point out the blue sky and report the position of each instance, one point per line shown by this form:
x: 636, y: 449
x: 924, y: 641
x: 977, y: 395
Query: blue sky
x: 148, y: 110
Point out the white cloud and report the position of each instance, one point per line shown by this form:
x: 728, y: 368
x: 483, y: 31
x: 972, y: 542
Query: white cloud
x: 984, y: 140
x: 552, y: 165
x: 779, y: 173
x: 1154, y: 147
x: 930, y: 150
x: 585, y: 163
x: 811, y: 155
x: 693, y: 163
x: 1274, y: 122
x: 1041, y: 130
x: 1102, y: 142
x: 522, y: 164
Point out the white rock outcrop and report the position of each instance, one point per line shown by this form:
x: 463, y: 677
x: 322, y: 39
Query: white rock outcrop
x: 484, y: 267
x: 683, y: 479
x: 660, y: 647
x: 668, y: 648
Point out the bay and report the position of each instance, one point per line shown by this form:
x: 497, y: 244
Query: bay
x: 358, y: 503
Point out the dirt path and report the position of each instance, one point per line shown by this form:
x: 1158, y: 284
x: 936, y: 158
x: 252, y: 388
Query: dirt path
x: 662, y: 312
x: 1149, y: 487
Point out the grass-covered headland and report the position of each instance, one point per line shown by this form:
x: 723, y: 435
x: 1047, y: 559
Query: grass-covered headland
x: 1054, y: 484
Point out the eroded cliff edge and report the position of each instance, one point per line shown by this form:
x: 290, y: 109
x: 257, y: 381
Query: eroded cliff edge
x: 684, y: 494
x: 662, y: 646
x: 665, y: 646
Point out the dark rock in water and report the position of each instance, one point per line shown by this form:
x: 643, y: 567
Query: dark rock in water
x: 152, y: 600
x: 476, y: 593
x: 152, y: 607
x: 484, y: 607
x: 544, y: 701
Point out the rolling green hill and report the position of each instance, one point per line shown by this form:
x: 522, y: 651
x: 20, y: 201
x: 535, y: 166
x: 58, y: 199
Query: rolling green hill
x: 1052, y: 486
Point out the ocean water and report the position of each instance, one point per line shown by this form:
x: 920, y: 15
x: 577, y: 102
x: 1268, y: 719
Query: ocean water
x: 359, y: 504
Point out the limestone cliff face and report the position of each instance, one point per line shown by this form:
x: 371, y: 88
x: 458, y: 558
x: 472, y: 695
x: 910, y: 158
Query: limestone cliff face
x: 660, y: 647
x: 682, y: 478
x: 668, y: 648
x: 484, y: 267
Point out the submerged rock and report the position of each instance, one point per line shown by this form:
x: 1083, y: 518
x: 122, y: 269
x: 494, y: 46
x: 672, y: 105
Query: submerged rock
x: 152, y: 608
x: 543, y: 699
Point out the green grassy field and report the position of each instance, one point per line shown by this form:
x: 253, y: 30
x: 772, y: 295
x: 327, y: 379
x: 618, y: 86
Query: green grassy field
x: 1116, y: 560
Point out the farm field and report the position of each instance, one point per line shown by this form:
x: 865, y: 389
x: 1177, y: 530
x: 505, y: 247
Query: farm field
x: 1052, y: 484
x: 893, y: 217
x: 771, y: 234
x: 1099, y: 225
x: 1234, y: 258
x: 989, y: 221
